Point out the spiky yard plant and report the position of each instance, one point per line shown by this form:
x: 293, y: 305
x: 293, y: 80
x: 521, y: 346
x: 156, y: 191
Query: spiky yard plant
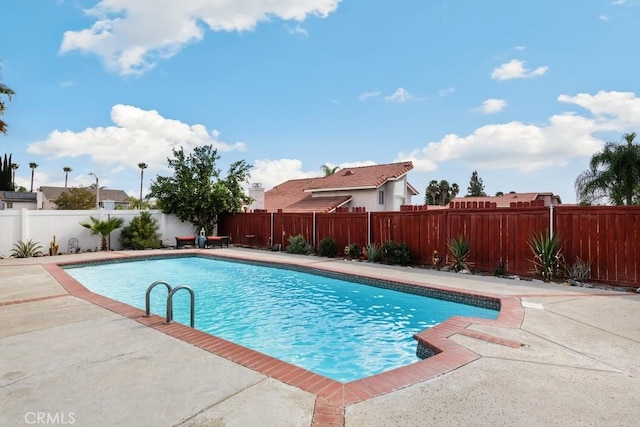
x: 580, y: 270
x: 26, y: 249
x: 459, y: 249
x: 548, y: 260
x: 374, y: 252
x: 299, y: 245
x: 103, y: 228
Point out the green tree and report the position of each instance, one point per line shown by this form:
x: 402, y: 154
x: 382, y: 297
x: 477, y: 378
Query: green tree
x: 66, y: 171
x: 14, y: 167
x: 613, y: 175
x: 103, y: 228
x: 33, y: 166
x: 142, y: 167
x: 476, y: 187
x: 440, y: 193
x: 6, y: 181
x: 79, y: 198
x: 141, y: 233
x: 328, y: 170
x: 5, y: 91
x: 196, y: 193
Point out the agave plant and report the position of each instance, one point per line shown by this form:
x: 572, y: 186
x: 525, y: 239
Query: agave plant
x: 547, y: 255
x: 460, y: 250
x: 373, y: 251
x: 579, y: 270
x: 26, y: 249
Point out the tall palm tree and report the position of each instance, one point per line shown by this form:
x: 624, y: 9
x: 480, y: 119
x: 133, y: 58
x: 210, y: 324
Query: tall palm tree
x: 33, y: 166
x: 613, y: 174
x: 8, y: 92
x: 66, y: 170
x: 103, y: 228
x: 14, y: 166
x: 444, y: 188
x: 142, y: 167
x: 432, y: 190
x: 455, y: 189
x: 328, y: 171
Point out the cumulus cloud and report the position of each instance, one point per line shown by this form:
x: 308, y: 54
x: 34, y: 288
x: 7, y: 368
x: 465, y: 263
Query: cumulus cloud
x: 492, y: 106
x: 132, y: 36
x: 137, y: 135
x: 529, y: 147
x: 400, y: 95
x: 514, y: 69
x: 273, y: 172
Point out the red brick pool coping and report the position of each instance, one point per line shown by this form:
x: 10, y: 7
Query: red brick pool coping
x: 331, y: 396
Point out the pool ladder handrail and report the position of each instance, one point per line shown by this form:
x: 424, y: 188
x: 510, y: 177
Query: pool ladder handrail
x: 171, y: 291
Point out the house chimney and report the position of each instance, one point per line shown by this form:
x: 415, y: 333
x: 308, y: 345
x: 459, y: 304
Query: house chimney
x: 256, y: 192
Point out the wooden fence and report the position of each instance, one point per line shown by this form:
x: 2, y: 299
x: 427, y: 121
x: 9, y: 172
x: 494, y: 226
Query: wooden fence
x: 607, y: 237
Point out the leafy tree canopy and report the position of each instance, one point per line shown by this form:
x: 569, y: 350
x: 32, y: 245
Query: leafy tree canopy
x: 7, y: 92
x: 476, y: 187
x: 76, y: 198
x: 196, y: 193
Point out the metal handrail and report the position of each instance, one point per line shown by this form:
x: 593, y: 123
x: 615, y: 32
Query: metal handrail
x: 147, y: 295
x: 170, y: 303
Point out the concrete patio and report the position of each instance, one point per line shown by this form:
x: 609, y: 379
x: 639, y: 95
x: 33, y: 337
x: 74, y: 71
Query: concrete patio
x: 68, y: 361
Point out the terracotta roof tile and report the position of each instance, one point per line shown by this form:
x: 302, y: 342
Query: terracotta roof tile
x: 296, y: 193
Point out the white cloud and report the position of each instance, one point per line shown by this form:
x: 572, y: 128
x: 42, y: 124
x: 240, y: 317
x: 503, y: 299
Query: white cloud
x: 298, y: 29
x: 520, y: 47
x: 492, y: 106
x: 400, y: 95
x: 603, y: 18
x: 273, y: 172
x: 514, y: 69
x: 132, y: 36
x: 528, y: 147
x: 138, y: 136
x: 618, y: 2
x: 367, y: 95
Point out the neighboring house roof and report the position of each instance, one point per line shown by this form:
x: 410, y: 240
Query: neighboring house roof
x: 52, y: 193
x: 18, y: 196
x: 506, y: 200
x: 362, y: 177
x: 305, y: 195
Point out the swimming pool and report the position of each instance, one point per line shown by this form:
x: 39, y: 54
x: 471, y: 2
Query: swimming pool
x: 340, y: 329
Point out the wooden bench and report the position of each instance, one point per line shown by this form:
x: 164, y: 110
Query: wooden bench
x: 182, y: 241
x: 213, y: 241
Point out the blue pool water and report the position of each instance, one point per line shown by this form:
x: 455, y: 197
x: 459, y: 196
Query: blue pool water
x: 339, y: 329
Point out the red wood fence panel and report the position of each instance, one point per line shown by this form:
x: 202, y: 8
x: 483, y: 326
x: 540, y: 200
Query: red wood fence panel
x: 608, y: 237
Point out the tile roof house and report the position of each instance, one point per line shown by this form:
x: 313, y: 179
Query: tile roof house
x: 18, y: 200
x: 506, y: 200
x: 109, y: 199
x: 374, y: 188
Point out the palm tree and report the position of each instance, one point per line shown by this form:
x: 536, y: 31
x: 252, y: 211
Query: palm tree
x: 613, y: 174
x: 103, y: 228
x: 455, y: 189
x: 33, y: 166
x: 328, y: 171
x: 142, y: 167
x: 14, y: 166
x: 444, y: 188
x: 432, y: 190
x: 66, y: 170
x: 8, y: 92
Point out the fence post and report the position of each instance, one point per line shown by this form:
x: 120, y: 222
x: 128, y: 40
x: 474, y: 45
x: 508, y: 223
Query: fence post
x: 551, y: 220
x: 313, y: 239
x: 368, y: 227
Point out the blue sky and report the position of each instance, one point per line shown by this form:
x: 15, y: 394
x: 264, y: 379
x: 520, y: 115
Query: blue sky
x: 524, y: 92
